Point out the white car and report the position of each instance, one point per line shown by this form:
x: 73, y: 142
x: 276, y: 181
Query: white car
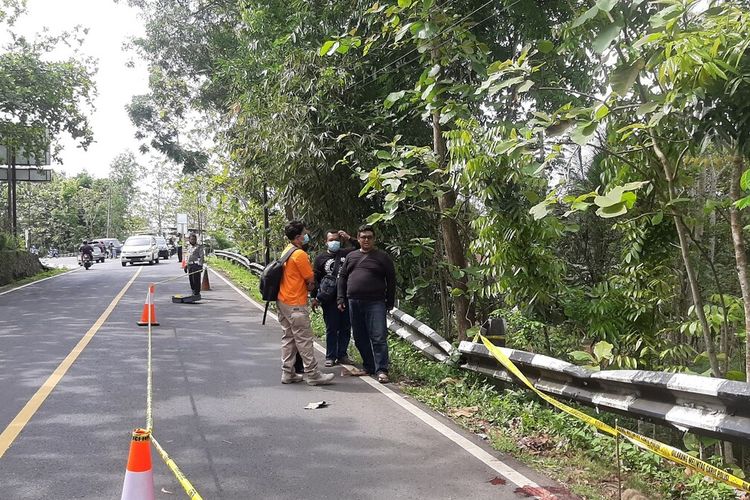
x: 140, y: 248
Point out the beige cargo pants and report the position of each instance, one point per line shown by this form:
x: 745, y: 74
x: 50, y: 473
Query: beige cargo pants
x: 297, y: 337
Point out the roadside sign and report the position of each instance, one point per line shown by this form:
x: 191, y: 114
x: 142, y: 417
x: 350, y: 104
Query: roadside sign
x: 27, y: 174
x: 24, y: 159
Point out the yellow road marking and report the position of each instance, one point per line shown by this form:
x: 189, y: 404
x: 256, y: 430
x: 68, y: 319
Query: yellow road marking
x: 16, y: 426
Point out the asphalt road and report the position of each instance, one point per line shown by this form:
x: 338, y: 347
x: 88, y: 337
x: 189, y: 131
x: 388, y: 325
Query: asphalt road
x: 219, y: 408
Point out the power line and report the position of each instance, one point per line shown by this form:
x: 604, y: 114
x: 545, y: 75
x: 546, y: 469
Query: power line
x: 403, y: 56
x: 366, y: 82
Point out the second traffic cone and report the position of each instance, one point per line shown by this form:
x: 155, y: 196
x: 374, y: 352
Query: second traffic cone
x: 139, y: 478
x: 149, y: 310
x: 205, y: 284
x: 184, y: 261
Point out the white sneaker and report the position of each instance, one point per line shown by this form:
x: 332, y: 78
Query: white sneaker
x: 291, y: 379
x: 320, y: 378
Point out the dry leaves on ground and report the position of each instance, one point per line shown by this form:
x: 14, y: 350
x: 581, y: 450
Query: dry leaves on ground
x: 466, y: 411
x: 537, y: 444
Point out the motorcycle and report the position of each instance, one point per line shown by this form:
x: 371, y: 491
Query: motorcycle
x: 86, y: 261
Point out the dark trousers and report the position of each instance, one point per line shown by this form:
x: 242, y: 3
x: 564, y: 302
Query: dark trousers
x: 338, y: 330
x: 179, y: 253
x: 370, y: 333
x: 195, y: 278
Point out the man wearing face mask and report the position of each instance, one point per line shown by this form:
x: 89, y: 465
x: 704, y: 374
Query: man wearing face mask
x: 294, y: 315
x: 326, y: 269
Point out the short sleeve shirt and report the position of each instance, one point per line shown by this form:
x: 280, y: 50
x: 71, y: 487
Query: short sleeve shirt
x: 297, y: 270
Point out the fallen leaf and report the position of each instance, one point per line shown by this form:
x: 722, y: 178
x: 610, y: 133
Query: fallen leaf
x: 225, y: 441
x: 497, y: 480
x: 164, y: 490
x: 357, y: 372
x: 449, y: 380
x: 315, y: 406
x: 466, y: 411
x: 536, y: 444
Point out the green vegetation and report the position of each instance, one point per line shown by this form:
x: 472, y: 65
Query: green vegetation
x: 557, y: 167
x: 65, y: 211
x: 47, y: 273
x: 514, y: 421
x: 580, y: 166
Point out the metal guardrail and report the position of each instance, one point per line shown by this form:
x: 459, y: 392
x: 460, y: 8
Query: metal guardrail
x: 707, y: 406
x: 235, y: 257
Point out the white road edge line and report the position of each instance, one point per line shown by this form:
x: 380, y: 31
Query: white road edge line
x: 39, y: 281
x: 473, y: 449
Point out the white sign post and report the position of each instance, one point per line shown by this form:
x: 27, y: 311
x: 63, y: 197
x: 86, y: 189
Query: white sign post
x: 182, y: 223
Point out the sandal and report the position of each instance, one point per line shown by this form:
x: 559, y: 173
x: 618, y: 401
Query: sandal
x: 357, y: 372
x: 383, y: 378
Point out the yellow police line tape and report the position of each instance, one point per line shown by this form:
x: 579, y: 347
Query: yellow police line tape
x: 184, y: 482
x: 173, y: 278
x: 178, y: 474
x: 661, y: 449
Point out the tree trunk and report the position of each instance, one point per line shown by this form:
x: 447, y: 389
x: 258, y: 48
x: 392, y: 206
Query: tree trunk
x: 454, y: 247
x: 740, y: 256
x: 711, y: 188
x: 443, y: 284
x: 289, y: 212
x: 682, y: 234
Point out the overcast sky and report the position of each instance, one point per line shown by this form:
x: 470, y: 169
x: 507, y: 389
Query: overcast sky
x: 110, y: 26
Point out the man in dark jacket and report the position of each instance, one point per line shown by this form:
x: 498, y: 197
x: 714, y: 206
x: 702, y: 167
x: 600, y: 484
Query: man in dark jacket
x: 367, y: 287
x: 326, y: 268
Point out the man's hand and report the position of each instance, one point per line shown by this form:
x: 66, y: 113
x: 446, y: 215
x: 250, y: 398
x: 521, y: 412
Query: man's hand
x: 344, y: 235
x: 341, y: 307
x: 314, y: 304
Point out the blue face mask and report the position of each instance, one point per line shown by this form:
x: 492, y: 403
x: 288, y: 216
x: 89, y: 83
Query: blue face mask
x: 306, y: 239
x: 333, y: 246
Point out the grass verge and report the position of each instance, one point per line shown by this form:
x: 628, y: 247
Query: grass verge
x: 39, y: 276
x: 515, y: 422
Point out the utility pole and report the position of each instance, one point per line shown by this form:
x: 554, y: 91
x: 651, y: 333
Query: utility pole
x: 109, y: 203
x: 200, y: 225
x: 12, y: 214
x: 266, y: 229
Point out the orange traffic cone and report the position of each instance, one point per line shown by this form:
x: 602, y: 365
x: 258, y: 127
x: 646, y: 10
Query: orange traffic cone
x: 184, y: 261
x: 139, y: 478
x: 205, y: 284
x: 149, y: 310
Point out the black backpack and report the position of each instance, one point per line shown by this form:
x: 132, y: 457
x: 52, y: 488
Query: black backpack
x: 327, y: 289
x: 270, y: 278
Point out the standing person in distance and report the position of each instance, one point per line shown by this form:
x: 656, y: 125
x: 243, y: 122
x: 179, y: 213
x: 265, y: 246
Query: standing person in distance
x: 294, y: 314
x: 195, y: 259
x: 179, y: 247
x: 326, y: 268
x: 367, y: 287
